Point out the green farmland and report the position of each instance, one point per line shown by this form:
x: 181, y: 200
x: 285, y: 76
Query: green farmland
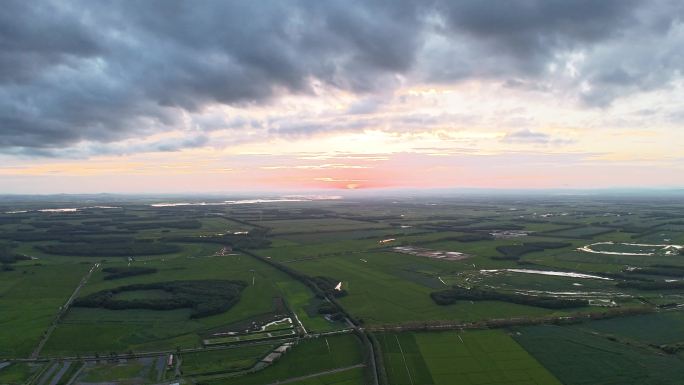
x: 458, y: 291
x: 482, y: 357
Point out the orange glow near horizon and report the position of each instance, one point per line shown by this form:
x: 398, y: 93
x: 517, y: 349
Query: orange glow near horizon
x: 413, y: 141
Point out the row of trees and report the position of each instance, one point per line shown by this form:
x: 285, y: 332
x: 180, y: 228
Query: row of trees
x: 254, y: 239
x: 517, y: 251
x: 651, y: 285
x: 181, y: 224
x: 127, y: 271
x: 206, y: 298
x: 7, y: 255
x: 450, y: 296
x: 663, y: 270
x: 110, y: 249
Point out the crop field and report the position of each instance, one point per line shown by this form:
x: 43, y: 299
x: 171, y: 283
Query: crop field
x: 664, y: 235
x: 30, y: 298
x: 481, y: 357
x: 544, y: 283
x: 354, y: 376
x: 18, y: 373
x: 137, y: 371
x: 657, y: 329
x: 599, y: 261
x: 308, y: 357
x: 491, y: 248
x: 317, y: 225
x: 579, y: 232
x: 293, y: 253
x: 452, y: 291
x: 577, y: 357
x: 380, y: 296
x: 222, y: 361
x: 337, y: 236
x: 136, y: 329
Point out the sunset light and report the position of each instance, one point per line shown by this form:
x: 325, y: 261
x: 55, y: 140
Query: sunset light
x: 448, y: 99
x: 342, y: 192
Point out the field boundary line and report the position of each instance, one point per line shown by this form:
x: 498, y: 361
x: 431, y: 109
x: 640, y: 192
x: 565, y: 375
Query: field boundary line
x: 63, y: 311
x: 319, y: 374
x: 404, y: 358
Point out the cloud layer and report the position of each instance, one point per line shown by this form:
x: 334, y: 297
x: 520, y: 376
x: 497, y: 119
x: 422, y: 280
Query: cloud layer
x: 104, y: 72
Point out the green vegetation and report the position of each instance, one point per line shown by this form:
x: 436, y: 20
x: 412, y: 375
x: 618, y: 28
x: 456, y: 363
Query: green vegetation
x: 327, y: 285
x: 223, y: 361
x: 7, y: 256
x: 581, y: 231
x: 123, y: 272
x: 254, y: 239
x: 144, y: 330
x: 673, y: 271
x: 185, y: 224
x: 471, y: 237
x: 205, y: 298
x: 577, y: 357
x: 517, y: 251
x: 114, y: 372
x: 652, y: 285
x: 16, y: 374
x: 110, y: 249
x: 310, y: 356
x: 354, y: 376
x: 30, y: 297
x: 210, y: 283
x: 657, y: 329
x: 446, y: 358
x: 451, y: 296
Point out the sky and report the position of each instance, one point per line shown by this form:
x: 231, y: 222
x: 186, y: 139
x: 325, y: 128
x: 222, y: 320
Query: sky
x: 226, y: 96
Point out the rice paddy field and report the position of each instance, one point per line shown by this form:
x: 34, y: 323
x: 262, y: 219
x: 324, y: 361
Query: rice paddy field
x: 502, y: 290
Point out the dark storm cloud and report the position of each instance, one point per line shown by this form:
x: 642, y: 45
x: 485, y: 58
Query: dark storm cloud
x: 530, y: 30
x: 105, y: 71
x: 34, y: 37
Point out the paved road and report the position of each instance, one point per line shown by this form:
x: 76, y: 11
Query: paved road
x: 166, y: 352
x: 59, y: 374
x: 63, y: 311
x: 47, y: 375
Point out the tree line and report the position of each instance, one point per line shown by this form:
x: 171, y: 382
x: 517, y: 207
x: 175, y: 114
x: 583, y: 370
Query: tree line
x: 456, y: 293
x: 205, y: 298
x: 130, y: 271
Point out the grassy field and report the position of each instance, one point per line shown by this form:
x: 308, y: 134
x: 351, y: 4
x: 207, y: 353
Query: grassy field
x: 348, y: 377
x: 30, y: 297
x: 138, y: 329
x: 388, y: 288
x: 226, y: 360
x: 292, y: 253
x: 580, y: 232
x: 337, y: 236
x: 308, y: 357
x: 341, y: 241
x: 317, y: 225
x: 446, y: 358
x: 16, y: 374
x: 659, y: 328
x: 577, y: 357
x: 115, y: 372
